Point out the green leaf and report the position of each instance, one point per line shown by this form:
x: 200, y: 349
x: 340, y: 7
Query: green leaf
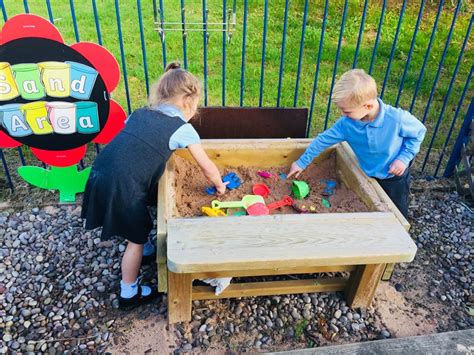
x: 35, y: 176
x: 67, y: 180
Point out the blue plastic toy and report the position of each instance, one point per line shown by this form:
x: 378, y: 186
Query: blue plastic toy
x: 330, y: 187
x: 232, y: 178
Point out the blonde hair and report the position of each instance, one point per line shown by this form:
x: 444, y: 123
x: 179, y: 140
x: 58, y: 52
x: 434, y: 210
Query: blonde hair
x: 175, y: 82
x: 354, y: 87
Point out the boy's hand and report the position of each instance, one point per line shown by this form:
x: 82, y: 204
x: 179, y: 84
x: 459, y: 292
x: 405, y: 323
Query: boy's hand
x: 294, y: 170
x: 221, y: 188
x: 397, y: 168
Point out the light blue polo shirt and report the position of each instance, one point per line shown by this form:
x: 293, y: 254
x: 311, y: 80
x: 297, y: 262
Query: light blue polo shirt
x: 186, y: 134
x: 394, y: 134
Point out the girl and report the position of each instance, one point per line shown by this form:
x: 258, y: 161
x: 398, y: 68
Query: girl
x: 124, y: 176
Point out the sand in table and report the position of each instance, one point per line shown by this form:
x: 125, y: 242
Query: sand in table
x: 191, y: 184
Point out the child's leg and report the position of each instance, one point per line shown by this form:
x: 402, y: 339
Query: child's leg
x: 131, y: 261
x: 131, y: 293
x: 398, y: 189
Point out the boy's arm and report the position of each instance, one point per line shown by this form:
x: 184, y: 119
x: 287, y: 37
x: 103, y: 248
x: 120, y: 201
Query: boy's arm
x: 413, y: 133
x: 329, y: 137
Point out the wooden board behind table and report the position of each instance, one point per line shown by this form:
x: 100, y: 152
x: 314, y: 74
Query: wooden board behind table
x: 251, y: 122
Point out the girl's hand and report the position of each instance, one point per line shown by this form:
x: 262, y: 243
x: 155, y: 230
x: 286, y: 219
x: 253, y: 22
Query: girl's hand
x: 397, y: 168
x: 221, y: 188
x: 294, y: 170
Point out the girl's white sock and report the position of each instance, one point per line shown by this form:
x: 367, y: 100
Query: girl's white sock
x: 130, y: 290
x: 148, y: 248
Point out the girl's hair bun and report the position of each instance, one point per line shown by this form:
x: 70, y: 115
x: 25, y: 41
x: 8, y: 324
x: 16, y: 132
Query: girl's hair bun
x: 173, y: 65
x: 174, y: 83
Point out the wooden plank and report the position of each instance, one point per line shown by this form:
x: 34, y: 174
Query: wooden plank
x: 275, y: 271
x: 270, y: 288
x: 162, y: 213
x: 456, y: 342
x: 179, y: 297
x: 161, y: 229
x: 162, y: 274
x: 362, y: 285
x: 195, y: 245
x: 387, y: 273
x: 251, y: 122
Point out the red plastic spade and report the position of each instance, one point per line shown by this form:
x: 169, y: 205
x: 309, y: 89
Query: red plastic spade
x: 285, y: 201
x: 261, y: 190
x: 258, y: 209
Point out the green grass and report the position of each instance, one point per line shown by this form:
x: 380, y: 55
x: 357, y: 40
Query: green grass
x: 174, y: 46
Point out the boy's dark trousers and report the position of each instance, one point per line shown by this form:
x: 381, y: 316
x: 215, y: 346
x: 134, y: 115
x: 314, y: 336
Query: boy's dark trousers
x: 398, y: 189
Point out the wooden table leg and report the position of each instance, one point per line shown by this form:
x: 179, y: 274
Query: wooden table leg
x: 161, y: 266
x: 387, y: 274
x: 179, y: 297
x: 162, y: 272
x: 362, y: 284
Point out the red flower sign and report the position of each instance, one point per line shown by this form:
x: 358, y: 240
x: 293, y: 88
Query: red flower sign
x: 53, y: 97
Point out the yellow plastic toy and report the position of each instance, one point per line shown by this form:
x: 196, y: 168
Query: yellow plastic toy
x: 212, y: 212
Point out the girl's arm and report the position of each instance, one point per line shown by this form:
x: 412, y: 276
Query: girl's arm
x: 207, y: 166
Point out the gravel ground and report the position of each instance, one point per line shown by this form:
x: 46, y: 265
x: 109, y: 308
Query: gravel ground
x: 58, y: 287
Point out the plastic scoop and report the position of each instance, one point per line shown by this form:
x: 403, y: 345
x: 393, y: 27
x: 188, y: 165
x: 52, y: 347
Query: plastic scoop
x: 258, y: 209
x: 261, y: 190
x: 247, y: 201
x: 300, y: 189
x: 212, y: 212
x: 285, y: 201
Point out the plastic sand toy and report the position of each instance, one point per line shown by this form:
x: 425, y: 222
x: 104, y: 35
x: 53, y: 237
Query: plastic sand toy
x: 246, y: 201
x: 285, y: 201
x: 264, y: 174
x: 238, y: 211
x: 301, y: 209
x: 330, y: 188
x: 300, y: 189
x: 258, y: 209
x: 261, y: 190
x: 326, y: 203
x: 233, y: 183
x: 212, y: 212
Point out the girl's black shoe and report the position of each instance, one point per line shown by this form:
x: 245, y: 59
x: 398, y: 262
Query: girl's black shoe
x: 126, y: 304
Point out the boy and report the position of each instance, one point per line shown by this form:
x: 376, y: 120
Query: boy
x: 384, y: 138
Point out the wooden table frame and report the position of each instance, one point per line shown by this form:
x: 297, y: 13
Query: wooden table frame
x: 359, y: 288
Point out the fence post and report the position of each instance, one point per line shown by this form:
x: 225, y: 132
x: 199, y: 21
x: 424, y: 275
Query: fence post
x: 7, y: 172
x: 463, y: 135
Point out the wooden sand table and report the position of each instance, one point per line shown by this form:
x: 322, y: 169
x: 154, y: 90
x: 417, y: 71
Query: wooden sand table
x: 360, y: 243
